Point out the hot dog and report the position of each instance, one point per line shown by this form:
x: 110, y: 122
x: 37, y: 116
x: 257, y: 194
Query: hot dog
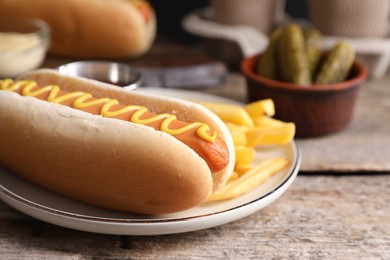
x: 197, y: 136
x: 91, y: 28
x: 117, y: 149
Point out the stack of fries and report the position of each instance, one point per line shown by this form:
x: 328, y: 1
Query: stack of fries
x: 251, y: 126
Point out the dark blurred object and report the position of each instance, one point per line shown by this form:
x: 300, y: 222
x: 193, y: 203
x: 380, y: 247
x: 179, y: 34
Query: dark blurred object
x: 297, y: 8
x: 170, y: 14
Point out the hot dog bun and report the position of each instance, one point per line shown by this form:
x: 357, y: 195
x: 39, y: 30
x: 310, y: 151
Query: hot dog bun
x: 91, y: 28
x: 103, y: 161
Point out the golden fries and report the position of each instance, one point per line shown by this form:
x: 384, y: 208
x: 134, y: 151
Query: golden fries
x: 253, y: 125
x: 271, y: 134
x: 244, y: 154
x: 230, y: 113
x: 250, y: 126
x: 241, y: 168
x: 261, y: 108
x: 250, y: 180
x: 238, y: 133
x: 266, y: 121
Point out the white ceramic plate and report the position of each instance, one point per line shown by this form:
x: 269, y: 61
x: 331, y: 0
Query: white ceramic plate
x: 59, y: 210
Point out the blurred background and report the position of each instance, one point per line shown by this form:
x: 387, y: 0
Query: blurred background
x: 169, y: 22
x: 213, y: 22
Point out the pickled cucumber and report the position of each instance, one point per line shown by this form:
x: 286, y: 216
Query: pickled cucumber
x: 292, y: 57
x: 337, y: 65
x: 312, y: 48
x: 268, y: 64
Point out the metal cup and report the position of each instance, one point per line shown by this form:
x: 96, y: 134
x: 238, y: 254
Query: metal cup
x: 114, y: 73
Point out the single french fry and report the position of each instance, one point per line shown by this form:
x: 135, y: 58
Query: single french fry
x: 252, y: 179
x: 238, y: 133
x: 235, y: 175
x: 264, y: 107
x: 254, y: 137
x: 239, y: 138
x: 230, y: 113
x: 277, y: 134
x: 242, y: 168
x: 266, y: 121
x: 244, y: 154
x: 236, y: 128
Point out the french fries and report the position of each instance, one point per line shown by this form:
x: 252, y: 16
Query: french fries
x: 238, y: 133
x: 251, y: 126
x: 261, y: 108
x: 230, y: 113
x: 271, y: 134
x: 244, y: 154
x: 250, y: 179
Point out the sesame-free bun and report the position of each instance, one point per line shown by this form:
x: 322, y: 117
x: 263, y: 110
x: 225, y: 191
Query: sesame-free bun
x: 103, y: 161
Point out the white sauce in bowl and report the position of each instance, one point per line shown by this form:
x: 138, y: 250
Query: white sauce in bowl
x: 20, y: 53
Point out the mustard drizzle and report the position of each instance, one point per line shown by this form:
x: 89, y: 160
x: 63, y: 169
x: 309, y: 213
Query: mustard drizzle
x: 203, y: 130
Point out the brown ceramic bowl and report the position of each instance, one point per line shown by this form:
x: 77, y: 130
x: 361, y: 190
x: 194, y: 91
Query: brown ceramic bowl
x: 316, y: 110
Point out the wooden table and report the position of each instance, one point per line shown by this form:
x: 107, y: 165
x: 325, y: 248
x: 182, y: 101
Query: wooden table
x: 324, y: 215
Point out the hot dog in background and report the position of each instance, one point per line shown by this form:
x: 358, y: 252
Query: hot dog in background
x: 98, y: 159
x: 91, y: 28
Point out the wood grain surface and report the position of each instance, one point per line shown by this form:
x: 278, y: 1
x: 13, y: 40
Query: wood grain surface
x: 319, y: 217
x: 364, y: 145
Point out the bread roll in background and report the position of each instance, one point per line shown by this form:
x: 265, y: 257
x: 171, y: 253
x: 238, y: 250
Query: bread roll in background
x: 91, y: 28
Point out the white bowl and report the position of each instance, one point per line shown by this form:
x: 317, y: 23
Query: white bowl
x: 23, y: 45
